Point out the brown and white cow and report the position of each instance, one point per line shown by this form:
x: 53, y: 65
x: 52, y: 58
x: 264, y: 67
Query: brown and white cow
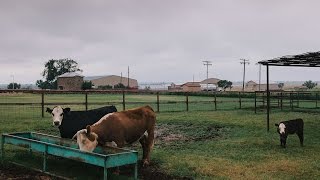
x: 122, y: 128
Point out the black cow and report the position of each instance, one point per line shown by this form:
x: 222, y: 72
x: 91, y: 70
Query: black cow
x: 290, y: 127
x: 70, y: 122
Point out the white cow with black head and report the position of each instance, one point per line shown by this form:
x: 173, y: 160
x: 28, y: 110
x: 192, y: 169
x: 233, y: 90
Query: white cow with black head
x: 69, y: 122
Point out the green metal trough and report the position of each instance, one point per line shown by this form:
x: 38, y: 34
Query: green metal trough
x: 106, y: 157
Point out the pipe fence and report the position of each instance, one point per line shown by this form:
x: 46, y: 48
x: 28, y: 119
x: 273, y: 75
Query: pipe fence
x: 33, y: 103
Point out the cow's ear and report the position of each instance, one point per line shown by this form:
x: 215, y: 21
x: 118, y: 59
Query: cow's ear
x: 66, y: 110
x: 88, y: 130
x: 90, y: 136
x: 276, y: 125
x: 49, y: 110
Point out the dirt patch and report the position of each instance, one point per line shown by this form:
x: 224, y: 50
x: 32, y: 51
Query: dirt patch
x: 169, y: 133
x: 11, y: 172
x: 155, y: 173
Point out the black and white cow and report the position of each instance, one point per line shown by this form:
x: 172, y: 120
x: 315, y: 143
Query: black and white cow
x: 70, y: 122
x: 290, y: 127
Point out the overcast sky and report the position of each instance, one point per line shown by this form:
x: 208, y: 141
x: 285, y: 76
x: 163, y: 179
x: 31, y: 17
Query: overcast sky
x: 163, y: 40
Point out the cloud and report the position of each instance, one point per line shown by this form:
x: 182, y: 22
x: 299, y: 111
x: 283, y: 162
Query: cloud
x: 159, y: 40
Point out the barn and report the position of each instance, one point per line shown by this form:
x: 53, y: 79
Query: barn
x: 112, y: 80
x: 70, y: 81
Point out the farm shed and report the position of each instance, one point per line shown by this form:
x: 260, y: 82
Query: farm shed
x: 70, y: 81
x: 309, y: 59
x: 112, y: 80
x: 186, y: 87
x: 252, y: 86
x: 210, y: 81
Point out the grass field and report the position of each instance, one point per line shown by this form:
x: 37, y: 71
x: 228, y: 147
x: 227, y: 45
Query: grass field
x: 223, y: 144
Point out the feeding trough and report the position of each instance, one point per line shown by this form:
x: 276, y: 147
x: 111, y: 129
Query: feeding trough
x: 51, y: 145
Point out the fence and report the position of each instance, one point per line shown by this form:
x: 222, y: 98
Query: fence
x: 22, y: 103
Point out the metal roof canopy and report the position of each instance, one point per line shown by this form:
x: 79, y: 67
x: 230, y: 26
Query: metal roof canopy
x: 309, y: 59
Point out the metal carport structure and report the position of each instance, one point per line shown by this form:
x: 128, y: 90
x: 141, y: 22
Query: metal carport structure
x: 309, y: 59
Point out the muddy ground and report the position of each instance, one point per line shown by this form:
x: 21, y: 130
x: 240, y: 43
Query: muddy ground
x: 165, y: 135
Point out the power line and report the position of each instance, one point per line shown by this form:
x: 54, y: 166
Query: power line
x: 207, y: 63
x: 244, y: 62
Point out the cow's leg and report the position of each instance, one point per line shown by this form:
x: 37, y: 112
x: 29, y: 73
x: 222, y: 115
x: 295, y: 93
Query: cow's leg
x: 300, y: 135
x: 143, y: 142
x: 149, y: 146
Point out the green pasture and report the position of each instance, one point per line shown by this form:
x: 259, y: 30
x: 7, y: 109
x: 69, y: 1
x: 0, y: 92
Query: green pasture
x: 229, y: 143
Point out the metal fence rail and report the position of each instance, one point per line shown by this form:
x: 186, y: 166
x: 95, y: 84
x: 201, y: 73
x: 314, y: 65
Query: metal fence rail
x: 32, y: 103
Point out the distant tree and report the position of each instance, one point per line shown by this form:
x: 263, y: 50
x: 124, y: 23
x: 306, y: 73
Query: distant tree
x: 87, y: 85
x: 309, y: 84
x: 280, y: 85
x: 54, y: 68
x: 14, y: 85
x: 148, y: 88
x: 105, y: 87
x: 229, y: 84
x: 119, y: 86
x: 224, y: 84
x: 46, y: 84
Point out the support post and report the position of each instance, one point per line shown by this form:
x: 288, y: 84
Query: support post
x: 255, y: 102
x: 158, y: 102
x: 105, y: 170
x: 2, y: 149
x: 268, y: 99
x: 136, y: 171
x: 42, y: 104
x: 45, y: 154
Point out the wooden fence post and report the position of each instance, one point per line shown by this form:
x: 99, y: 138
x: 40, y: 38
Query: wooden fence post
x: 187, y: 101
x: 215, y: 100
x: 291, y: 101
x: 86, y: 101
x: 263, y: 100
x: 158, y: 103
x: 123, y: 101
x: 240, y: 100
x: 281, y: 100
x: 42, y: 104
x: 298, y: 99
x: 317, y: 100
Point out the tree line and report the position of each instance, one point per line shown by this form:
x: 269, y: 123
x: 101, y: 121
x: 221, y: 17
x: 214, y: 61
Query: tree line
x: 56, y: 67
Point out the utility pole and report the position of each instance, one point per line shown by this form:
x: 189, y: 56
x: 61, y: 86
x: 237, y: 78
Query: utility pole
x: 244, y: 62
x: 12, y: 81
x: 207, y: 63
x: 121, y: 78
x: 259, y: 76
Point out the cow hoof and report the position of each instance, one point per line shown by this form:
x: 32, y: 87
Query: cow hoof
x: 145, y: 163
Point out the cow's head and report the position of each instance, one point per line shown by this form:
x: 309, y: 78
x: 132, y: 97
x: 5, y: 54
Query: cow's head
x: 57, y: 114
x: 283, y: 134
x: 86, y: 139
